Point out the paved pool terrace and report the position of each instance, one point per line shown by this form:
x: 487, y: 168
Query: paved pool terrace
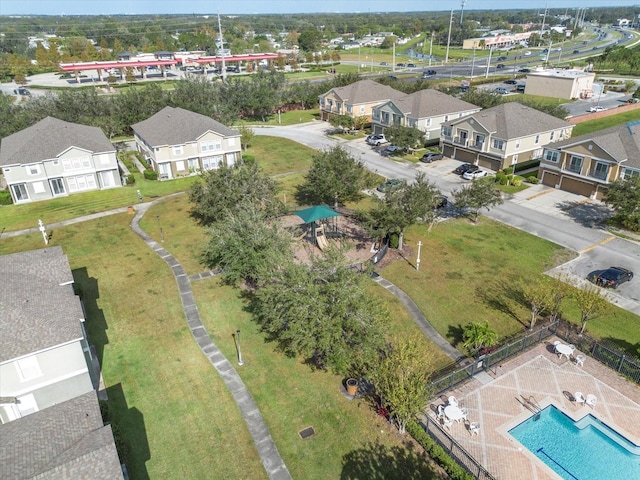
x: 499, y: 403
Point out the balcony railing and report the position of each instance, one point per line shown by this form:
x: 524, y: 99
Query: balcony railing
x: 461, y: 141
x: 599, y: 175
x: 477, y: 145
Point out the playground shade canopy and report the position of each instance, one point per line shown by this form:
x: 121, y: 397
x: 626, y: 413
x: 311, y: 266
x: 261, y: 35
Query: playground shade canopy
x: 311, y: 214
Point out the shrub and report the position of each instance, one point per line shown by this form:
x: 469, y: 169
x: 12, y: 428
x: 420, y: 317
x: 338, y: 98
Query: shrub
x: 5, y: 197
x: 437, y: 453
x: 394, y: 240
x: 150, y: 174
x: 516, y: 182
x: 131, y: 179
x: 247, y: 157
x: 532, y: 179
x: 501, y: 178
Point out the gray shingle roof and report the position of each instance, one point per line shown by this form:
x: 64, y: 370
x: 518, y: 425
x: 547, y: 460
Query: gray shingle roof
x: 622, y: 142
x: 512, y: 120
x: 366, y: 91
x: 67, y: 440
x: 177, y: 126
x: 49, y: 138
x: 430, y: 103
x: 36, y: 311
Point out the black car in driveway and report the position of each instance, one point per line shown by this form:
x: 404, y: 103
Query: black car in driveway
x: 431, y: 157
x: 612, y: 277
x: 466, y: 167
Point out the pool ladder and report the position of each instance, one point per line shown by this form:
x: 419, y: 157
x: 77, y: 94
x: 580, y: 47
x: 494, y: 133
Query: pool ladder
x: 532, y: 404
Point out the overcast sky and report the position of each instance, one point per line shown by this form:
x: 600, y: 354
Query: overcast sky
x: 97, y: 7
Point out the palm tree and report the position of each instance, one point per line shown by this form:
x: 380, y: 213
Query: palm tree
x: 478, y: 335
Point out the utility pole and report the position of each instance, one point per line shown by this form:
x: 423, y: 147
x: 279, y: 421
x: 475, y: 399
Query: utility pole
x: 446, y: 57
x: 221, y: 50
x: 486, y: 73
x: 462, y: 4
x: 431, y: 49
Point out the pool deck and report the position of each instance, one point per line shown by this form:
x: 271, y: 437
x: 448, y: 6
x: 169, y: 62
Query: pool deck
x: 499, y: 402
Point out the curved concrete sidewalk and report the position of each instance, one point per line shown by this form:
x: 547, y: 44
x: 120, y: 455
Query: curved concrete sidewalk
x: 421, y: 320
x: 273, y: 463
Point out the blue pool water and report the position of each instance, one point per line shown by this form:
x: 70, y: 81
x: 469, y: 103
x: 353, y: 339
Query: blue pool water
x: 584, y: 450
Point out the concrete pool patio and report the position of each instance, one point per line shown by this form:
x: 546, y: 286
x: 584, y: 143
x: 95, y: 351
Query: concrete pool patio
x: 498, y: 401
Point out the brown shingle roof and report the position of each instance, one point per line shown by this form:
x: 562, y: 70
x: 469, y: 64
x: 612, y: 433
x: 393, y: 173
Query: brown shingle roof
x: 622, y: 142
x: 366, y: 91
x: 512, y: 120
x: 67, y: 440
x: 177, y: 126
x: 49, y: 138
x: 430, y: 102
x: 38, y: 307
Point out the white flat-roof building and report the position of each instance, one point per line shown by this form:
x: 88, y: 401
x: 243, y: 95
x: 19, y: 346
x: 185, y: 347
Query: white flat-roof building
x: 567, y: 84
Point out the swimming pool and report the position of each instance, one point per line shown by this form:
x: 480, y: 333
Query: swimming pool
x: 584, y: 450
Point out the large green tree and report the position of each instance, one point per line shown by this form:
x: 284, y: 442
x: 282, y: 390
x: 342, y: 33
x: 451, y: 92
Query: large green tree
x: 479, y: 194
x: 401, y: 379
x: 591, y: 303
x: 324, y: 313
x: 335, y: 177
x: 219, y: 192
x: 405, y: 137
x: 624, y: 197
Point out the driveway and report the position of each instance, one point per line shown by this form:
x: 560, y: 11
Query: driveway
x: 569, y: 220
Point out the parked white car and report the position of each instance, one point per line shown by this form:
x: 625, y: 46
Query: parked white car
x: 597, y: 108
x: 473, y: 174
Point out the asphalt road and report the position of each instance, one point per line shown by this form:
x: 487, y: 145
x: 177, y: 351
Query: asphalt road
x: 578, y: 230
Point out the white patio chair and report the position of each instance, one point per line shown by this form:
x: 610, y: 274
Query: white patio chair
x: 579, y: 398
x: 453, y: 401
x: 580, y: 360
x: 591, y: 400
x: 447, y: 423
x: 465, y: 412
x: 572, y: 347
x: 474, y: 428
x: 555, y: 344
x: 440, y: 411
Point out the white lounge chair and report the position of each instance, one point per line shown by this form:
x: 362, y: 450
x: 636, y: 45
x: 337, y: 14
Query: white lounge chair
x: 440, y: 411
x: 579, y: 398
x: 453, y: 401
x: 591, y: 400
x: 465, y: 412
x: 474, y: 428
x: 447, y: 423
x: 580, y: 360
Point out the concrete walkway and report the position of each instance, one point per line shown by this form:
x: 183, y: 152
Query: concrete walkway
x: 271, y: 459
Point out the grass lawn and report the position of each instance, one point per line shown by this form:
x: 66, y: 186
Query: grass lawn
x: 288, y: 118
x: 604, y: 122
x: 280, y: 155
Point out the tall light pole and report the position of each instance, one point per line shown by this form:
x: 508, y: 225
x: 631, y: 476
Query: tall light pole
x: 486, y: 73
x: 462, y: 4
x: 446, y: 57
x: 431, y: 49
x: 418, y: 259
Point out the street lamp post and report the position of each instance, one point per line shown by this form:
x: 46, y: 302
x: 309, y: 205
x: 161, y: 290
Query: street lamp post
x: 240, y: 362
x: 418, y: 259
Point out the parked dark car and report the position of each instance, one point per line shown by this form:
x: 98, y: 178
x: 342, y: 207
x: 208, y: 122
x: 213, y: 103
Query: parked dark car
x: 576, y: 51
x: 525, y: 70
x: 393, y: 149
x: 431, y: 157
x: 390, y: 184
x: 465, y: 167
x: 612, y: 277
x: 399, y: 64
x: 521, y: 88
x: 502, y: 58
x: 411, y: 65
x: 21, y: 91
x: 510, y: 82
x: 500, y: 66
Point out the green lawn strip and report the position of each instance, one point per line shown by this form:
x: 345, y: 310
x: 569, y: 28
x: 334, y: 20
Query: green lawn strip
x: 291, y: 396
x: 292, y: 117
x: 466, y: 271
x: 172, y: 408
x: 280, y: 155
x: 604, y: 122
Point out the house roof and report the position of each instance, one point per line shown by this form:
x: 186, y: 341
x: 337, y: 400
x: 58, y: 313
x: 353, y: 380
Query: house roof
x: 49, y: 138
x: 366, y: 91
x: 622, y: 142
x: 511, y: 120
x: 177, y: 126
x: 67, y: 440
x: 38, y: 307
x: 430, y: 102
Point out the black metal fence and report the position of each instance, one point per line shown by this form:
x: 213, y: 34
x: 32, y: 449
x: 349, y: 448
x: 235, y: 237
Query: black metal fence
x: 455, y: 450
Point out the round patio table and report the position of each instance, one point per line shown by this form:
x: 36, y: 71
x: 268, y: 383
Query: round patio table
x: 565, y: 350
x: 453, y: 413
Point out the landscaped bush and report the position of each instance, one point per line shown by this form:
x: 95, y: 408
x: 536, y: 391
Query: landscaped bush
x: 150, y: 174
x: 247, y: 157
x: 131, y: 179
x: 532, y: 179
x: 5, y: 197
x: 437, y: 453
x: 501, y: 178
x: 516, y: 182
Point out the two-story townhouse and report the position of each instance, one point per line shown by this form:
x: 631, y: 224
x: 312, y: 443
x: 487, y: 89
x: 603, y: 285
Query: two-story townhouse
x: 425, y: 110
x: 44, y: 354
x: 177, y: 142
x: 356, y: 100
x: 587, y: 164
x: 55, y: 158
x: 502, y: 136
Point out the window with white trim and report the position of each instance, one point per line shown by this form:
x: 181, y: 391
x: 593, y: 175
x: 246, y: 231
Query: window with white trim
x: 537, y: 139
x: 552, y: 156
x: 498, y: 144
x: 601, y: 170
x: 179, y: 166
x: 20, y: 192
x: 447, y: 130
x: 517, y: 144
x: 38, y: 187
x: 211, y: 163
x: 78, y: 163
x: 211, y: 146
x: 628, y: 173
x: 81, y: 183
x: 178, y: 149
x: 57, y: 186
x: 429, y: 122
x: 551, y: 135
x: 33, y: 169
x: 28, y: 368
x: 361, y: 108
x: 193, y: 164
